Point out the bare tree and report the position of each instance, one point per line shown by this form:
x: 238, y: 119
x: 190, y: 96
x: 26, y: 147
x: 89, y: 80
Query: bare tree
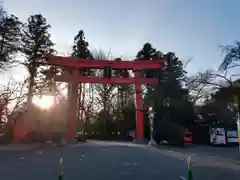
x: 232, y: 57
x: 15, y: 94
x: 203, y: 84
x: 104, y: 92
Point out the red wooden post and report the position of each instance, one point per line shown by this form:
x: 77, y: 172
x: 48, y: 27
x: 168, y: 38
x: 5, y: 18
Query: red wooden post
x: 100, y: 64
x: 139, y: 109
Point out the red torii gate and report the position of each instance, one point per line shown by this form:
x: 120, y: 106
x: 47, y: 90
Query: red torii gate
x: 75, y: 78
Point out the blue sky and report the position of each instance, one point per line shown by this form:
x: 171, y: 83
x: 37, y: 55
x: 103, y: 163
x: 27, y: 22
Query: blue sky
x: 190, y: 28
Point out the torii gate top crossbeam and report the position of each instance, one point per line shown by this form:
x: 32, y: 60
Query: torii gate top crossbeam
x: 100, y: 64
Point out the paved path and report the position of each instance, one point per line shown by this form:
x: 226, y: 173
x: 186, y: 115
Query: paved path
x: 17, y: 147
x: 110, y: 161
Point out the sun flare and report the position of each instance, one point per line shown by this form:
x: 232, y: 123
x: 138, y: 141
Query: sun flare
x: 45, y: 102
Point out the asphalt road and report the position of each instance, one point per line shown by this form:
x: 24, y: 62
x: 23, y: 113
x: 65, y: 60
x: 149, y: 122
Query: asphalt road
x: 105, y: 160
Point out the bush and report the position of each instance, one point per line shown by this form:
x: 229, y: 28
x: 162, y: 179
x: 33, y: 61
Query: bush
x: 170, y: 132
x: 80, y: 137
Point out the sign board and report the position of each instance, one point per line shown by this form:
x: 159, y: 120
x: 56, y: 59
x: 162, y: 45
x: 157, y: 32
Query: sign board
x: 217, y: 136
x: 238, y: 129
x: 232, y: 136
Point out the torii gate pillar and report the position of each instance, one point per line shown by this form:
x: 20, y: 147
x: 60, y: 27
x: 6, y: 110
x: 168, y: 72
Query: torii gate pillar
x: 139, y: 109
x: 72, y: 108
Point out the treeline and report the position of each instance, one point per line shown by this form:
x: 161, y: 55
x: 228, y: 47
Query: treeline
x: 110, y: 109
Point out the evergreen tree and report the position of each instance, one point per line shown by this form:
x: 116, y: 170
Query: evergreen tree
x: 167, y: 97
x: 80, y: 49
x: 149, y: 53
x: 10, y: 33
x: 36, y: 44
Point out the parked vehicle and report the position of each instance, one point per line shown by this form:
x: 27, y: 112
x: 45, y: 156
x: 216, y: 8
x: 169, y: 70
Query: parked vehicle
x: 188, y: 137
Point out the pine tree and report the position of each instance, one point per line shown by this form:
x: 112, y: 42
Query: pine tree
x: 10, y: 34
x: 167, y: 97
x: 36, y: 44
x: 81, y: 51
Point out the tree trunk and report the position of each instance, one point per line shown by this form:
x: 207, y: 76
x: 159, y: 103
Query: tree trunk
x: 30, y: 91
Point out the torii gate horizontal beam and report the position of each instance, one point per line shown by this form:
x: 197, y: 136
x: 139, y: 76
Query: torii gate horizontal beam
x: 100, y: 64
x: 101, y: 80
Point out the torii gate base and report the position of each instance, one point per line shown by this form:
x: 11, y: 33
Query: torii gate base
x: 74, y: 78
